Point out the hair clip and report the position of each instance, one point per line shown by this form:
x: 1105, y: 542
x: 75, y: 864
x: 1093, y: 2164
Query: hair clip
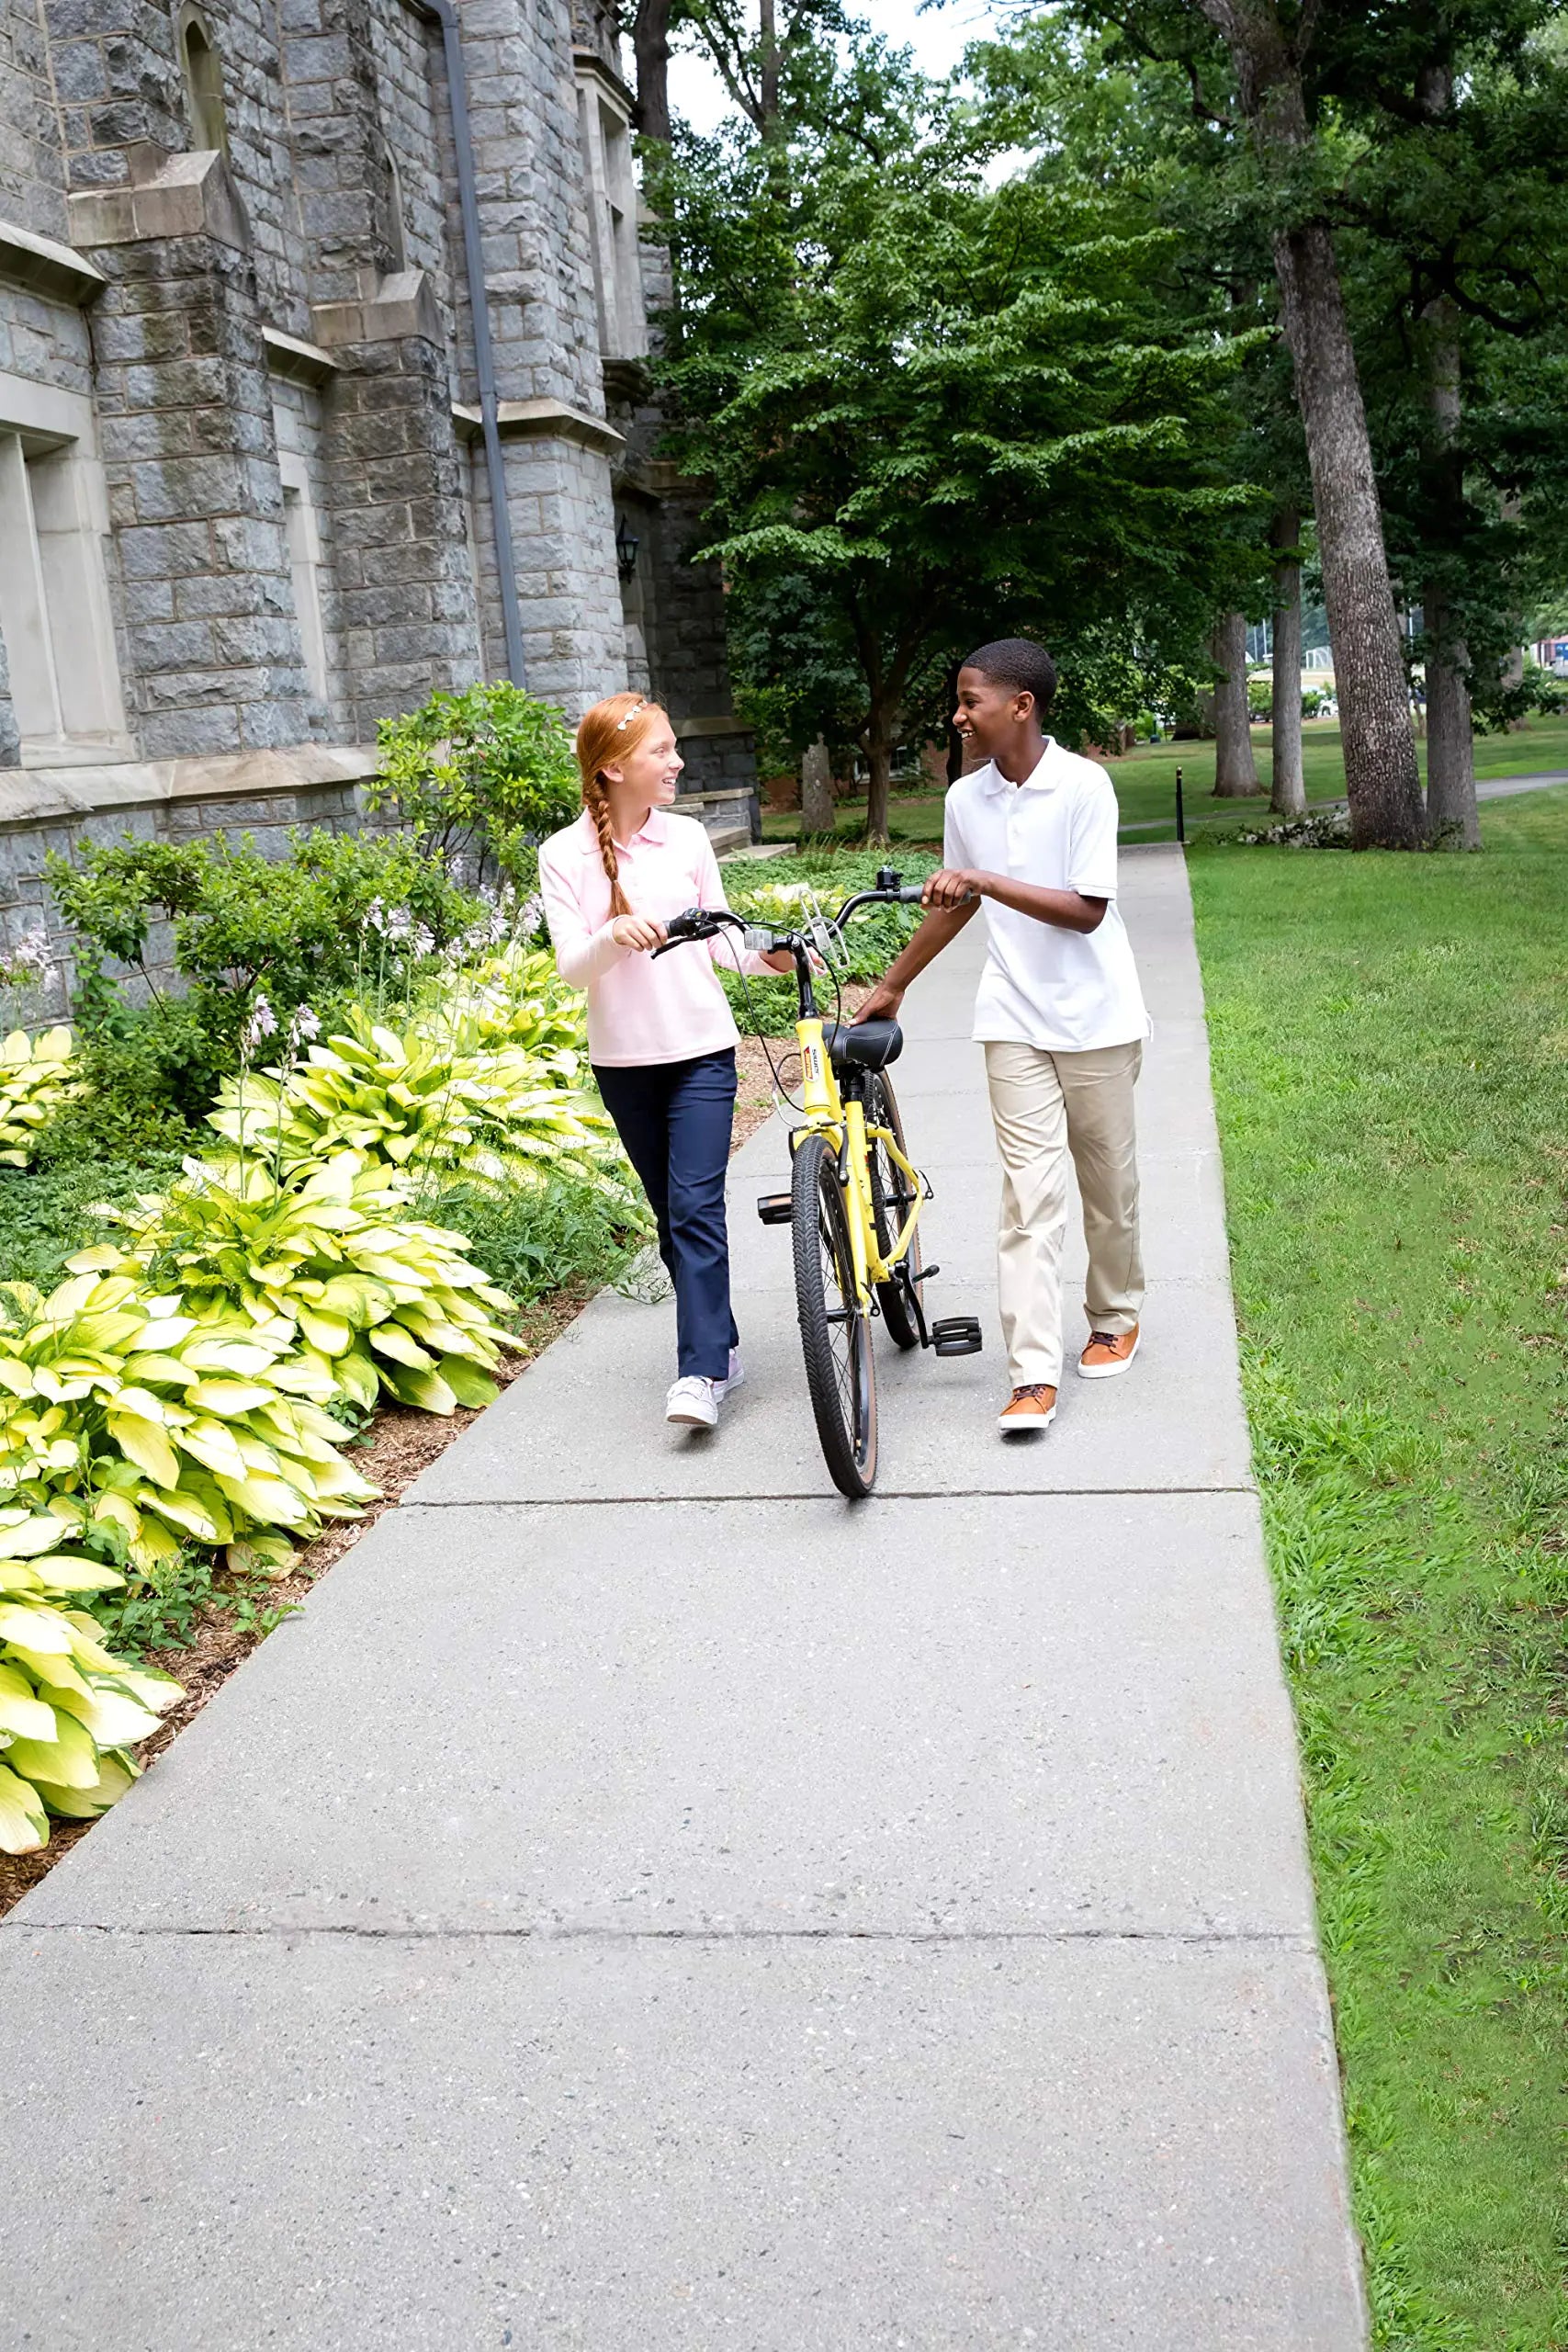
x: 631, y: 714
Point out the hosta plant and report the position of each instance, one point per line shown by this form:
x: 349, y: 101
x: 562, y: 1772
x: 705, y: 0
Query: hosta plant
x: 70, y: 1711
x: 128, y: 1420
x: 37, y: 1077
x: 420, y: 1101
x: 368, y: 1297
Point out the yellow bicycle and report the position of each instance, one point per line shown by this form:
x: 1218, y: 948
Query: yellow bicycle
x: 855, y: 1200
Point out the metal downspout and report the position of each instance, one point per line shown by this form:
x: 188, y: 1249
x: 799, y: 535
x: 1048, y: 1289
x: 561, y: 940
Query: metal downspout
x: 446, y: 16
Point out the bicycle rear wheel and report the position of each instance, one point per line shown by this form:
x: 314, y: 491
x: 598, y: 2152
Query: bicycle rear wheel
x: 835, y: 1328
x: 892, y: 1198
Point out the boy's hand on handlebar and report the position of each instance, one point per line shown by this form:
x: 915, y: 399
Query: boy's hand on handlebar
x: 638, y: 931
x: 882, y: 1005
x: 952, y: 887
x: 779, y: 959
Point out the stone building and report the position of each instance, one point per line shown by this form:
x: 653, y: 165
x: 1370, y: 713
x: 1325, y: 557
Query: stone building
x: 322, y: 332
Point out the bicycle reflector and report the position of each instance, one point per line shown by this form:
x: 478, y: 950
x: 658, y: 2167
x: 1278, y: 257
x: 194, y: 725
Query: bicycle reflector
x: 775, y: 1208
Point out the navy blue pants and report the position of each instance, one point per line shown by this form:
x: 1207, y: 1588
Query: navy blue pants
x: 676, y: 1119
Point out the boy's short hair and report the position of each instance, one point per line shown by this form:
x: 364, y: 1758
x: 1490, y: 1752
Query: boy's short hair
x: 1015, y: 662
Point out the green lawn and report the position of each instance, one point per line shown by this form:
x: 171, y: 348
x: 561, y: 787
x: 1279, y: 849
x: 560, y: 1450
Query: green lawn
x: 1145, y: 781
x: 1391, y: 1055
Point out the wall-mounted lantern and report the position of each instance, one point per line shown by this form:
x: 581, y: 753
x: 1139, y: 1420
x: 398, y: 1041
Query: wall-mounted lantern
x: 627, y: 545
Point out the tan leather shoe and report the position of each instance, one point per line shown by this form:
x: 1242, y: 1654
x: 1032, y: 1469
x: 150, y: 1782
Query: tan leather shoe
x: 1028, y: 1410
x: 1108, y: 1354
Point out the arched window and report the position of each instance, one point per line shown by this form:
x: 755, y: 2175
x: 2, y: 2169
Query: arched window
x: 204, y: 83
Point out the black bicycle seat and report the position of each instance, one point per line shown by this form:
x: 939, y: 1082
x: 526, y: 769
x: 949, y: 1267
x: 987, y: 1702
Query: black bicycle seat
x: 867, y: 1045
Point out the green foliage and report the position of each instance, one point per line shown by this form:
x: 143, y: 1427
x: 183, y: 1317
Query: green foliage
x: 533, y: 1240
x: 329, y: 1263
x: 1391, y: 1060
x: 934, y: 411
x: 476, y: 1087
x: 39, y: 1076
x: 52, y: 1210
x: 70, y: 1710
x: 341, y: 914
x: 483, y: 775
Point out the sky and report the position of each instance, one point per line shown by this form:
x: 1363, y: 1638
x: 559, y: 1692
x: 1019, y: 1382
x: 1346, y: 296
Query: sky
x: 938, y: 35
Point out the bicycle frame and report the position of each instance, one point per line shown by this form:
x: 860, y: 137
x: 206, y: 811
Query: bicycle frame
x: 828, y: 1109
x: 828, y: 1112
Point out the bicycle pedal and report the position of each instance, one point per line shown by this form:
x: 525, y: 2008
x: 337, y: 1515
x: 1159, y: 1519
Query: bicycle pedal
x: 775, y: 1208
x: 957, y: 1335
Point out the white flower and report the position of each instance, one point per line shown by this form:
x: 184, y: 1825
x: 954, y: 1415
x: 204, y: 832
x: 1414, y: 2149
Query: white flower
x: 262, y: 1022
x: 423, y: 940
x: 30, y: 958
x: 302, y: 1027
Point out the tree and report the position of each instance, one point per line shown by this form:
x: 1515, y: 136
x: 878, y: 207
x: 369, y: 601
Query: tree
x: 1453, y: 223
x: 1288, y: 795
x: 932, y: 412
x: 1236, y: 770
x: 1267, y: 44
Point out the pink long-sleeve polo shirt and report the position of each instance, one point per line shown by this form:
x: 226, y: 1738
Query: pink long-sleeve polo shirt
x: 640, y: 1011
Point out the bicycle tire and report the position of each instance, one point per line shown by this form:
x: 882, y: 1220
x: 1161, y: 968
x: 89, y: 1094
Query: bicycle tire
x: 835, y: 1330
x: 892, y: 1197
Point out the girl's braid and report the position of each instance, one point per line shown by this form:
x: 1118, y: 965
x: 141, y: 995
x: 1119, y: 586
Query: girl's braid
x: 598, y: 807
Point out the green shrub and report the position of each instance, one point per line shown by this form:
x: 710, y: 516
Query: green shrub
x: 137, y: 1426
x: 330, y: 1265
x: 482, y: 1084
x: 255, y: 939
x: 39, y: 1076
x: 535, y: 1240
x: 70, y: 1710
x: 481, y: 776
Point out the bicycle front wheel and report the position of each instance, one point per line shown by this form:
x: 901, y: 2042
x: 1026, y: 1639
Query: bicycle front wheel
x: 835, y: 1328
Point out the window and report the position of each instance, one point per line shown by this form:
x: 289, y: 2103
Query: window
x: 604, y: 130
x: 204, y: 84
x: 302, y: 536
x: 55, y: 609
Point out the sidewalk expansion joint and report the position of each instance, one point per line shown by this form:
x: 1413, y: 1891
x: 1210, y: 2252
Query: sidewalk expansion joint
x: 813, y: 1494
x: 1198, y: 1938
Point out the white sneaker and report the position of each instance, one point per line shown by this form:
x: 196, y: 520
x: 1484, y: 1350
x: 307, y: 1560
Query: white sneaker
x: 733, y: 1378
x: 693, y: 1403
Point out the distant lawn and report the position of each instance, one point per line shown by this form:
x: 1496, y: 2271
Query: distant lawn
x: 1145, y: 781
x: 1391, y: 1055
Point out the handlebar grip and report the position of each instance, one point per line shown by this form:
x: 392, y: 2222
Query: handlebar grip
x: 911, y: 897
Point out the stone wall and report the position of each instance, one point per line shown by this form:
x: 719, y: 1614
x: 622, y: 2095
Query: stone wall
x: 253, y: 288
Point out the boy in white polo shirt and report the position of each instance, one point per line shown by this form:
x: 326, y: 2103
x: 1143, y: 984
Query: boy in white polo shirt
x: 1032, y: 836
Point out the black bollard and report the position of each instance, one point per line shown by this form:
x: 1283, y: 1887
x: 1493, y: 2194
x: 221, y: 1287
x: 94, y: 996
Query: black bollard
x: 1180, y: 812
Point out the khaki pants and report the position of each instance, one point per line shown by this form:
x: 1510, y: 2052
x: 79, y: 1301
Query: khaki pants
x: 1044, y: 1105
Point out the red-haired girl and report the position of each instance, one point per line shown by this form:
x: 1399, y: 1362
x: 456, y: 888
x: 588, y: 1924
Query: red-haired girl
x: 660, y: 1035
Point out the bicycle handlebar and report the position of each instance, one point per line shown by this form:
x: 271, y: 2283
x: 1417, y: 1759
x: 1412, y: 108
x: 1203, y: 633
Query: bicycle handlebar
x: 703, y: 922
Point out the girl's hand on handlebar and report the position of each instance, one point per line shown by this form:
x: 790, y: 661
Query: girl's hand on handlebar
x: 638, y: 931
x: 779, y: 959
x: 954, y: 887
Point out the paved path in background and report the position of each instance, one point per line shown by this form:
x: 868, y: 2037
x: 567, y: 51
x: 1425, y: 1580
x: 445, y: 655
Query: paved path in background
x: 644, y: 1902
x: 1496, y: 787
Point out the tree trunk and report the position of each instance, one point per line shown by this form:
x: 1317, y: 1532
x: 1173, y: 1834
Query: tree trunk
x: 1288, y: 797
x: 1451, y: 813
x: 1236, y: 770
x: 1381, y: 779
x: 650, y: 48
x: 879, y: 783
x: 817, y: 790
x: 768, y: 31
x: 1381, y: 775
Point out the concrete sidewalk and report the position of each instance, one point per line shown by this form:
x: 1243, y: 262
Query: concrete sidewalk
x: 644, y: 1901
